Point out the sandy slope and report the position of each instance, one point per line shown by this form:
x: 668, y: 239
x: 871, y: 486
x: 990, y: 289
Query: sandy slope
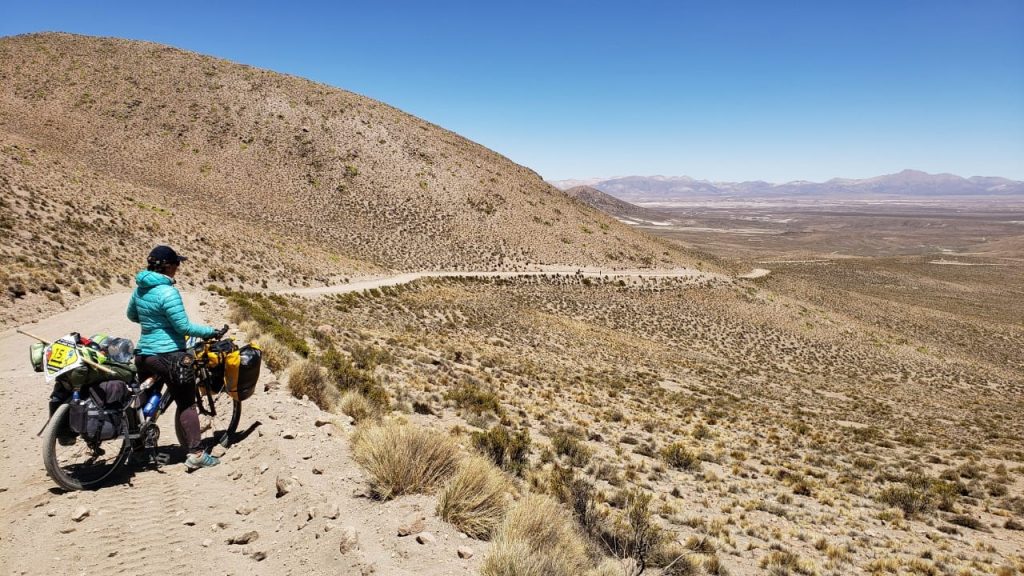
x: 168, y: 522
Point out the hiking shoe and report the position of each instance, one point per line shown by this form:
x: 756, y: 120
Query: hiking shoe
x: 201, y: 460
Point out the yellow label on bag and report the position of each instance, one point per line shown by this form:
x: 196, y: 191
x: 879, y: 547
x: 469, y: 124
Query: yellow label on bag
x: 61, y: 356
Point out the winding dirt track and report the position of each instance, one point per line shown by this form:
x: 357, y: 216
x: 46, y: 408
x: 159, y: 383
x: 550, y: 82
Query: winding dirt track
x: 395, y: 280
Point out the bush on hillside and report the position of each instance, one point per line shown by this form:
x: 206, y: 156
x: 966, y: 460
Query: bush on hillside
x: 536, y: 538
x: 403, y: 459
x: 357, y: 406
x: 476, y: 498
x: 306, y: 378
x: 348, y: 377
x: 680, y: 457
x: 470, y: 396
x: 508, y: 450
x: 277, y: 356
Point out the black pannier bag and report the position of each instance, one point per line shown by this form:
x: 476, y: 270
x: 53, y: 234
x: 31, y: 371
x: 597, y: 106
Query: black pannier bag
x: 98, y: 417
x: 250, y: 359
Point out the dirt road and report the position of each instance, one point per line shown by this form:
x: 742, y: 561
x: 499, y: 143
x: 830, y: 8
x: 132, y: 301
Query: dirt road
x: 164, y: 521
x: 395, y: 280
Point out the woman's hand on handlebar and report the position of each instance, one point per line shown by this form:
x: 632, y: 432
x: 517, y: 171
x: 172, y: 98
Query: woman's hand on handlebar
x: 217, y: 335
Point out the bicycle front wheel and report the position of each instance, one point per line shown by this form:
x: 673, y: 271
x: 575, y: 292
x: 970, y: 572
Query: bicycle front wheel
x: 75, y: 464
x: 218, y: 421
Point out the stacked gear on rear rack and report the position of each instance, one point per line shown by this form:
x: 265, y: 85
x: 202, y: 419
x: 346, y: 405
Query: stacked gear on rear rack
x: 96, y: 411
x: 234, y: 368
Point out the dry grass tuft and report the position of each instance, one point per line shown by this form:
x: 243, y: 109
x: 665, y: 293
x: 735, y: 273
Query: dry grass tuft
x: 277, y: 356
x: 404, y: 459
x: 306, y: 378
x: 357, y: 406
x: 476, y: 498
x: 537, y: 538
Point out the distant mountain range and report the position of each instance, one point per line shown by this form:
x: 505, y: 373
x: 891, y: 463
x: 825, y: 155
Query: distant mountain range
x: 908, y: 183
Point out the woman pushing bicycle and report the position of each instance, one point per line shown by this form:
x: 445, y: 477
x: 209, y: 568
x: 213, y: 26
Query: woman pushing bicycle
x: 157, y: 306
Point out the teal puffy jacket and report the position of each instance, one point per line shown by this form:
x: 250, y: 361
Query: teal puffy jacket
x: 156, y: 305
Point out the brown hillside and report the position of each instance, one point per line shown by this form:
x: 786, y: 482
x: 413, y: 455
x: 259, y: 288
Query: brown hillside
x: 293, y: 160
x: 613, y: 206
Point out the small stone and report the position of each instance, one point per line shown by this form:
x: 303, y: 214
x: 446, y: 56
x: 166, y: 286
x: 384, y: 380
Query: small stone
x: 112, y: 553
x: 425, y: 538
x: 464, y: 552
x: 264, y: 468
x: 332, y: 512
x: 246, y: 538
x: 288, y: 434
x: 259, y: 556
x: 321, y: 422
x: 51, y: 512
x: 67, y: 530
x: 219, y: 526
x: 188, y: 522
x: 80, y: 513
x: 311, y: 513
x: 414, y: 527
x: 286, y: 484
x: 318, y: 470
x: 348, y: 540
x: 206, y: 543
x: 244, y: 510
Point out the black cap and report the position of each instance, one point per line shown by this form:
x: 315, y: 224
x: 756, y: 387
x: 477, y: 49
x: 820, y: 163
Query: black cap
x: 164, y: 255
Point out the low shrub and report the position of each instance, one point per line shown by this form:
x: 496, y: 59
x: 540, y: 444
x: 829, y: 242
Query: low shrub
x: 566, y: 444
x: 913, y: 495
x: 635, y: 533
x: 536, y: 538
x: 472, y: 397
x: 967, y: 522
x: 476, y: 498
x: 272, y: 314
x: 403, y: 459
x: 678, y: 456
x: 578, y: 495
x: 347, y: 377
x: 508, y: 450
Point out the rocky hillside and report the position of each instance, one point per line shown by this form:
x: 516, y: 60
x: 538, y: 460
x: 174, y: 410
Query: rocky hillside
x: 155, y: 142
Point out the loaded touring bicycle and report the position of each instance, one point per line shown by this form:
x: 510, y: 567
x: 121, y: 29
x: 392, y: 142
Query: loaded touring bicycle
x: 101, y: 415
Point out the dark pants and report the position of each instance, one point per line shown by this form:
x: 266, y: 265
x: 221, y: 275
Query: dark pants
x: 165, y: 368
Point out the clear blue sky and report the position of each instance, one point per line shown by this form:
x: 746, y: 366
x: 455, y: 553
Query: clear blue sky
x: 723, y: 90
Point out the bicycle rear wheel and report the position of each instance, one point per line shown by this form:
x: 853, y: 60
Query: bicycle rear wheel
x: 75, y: 464
x: 218, y: 421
